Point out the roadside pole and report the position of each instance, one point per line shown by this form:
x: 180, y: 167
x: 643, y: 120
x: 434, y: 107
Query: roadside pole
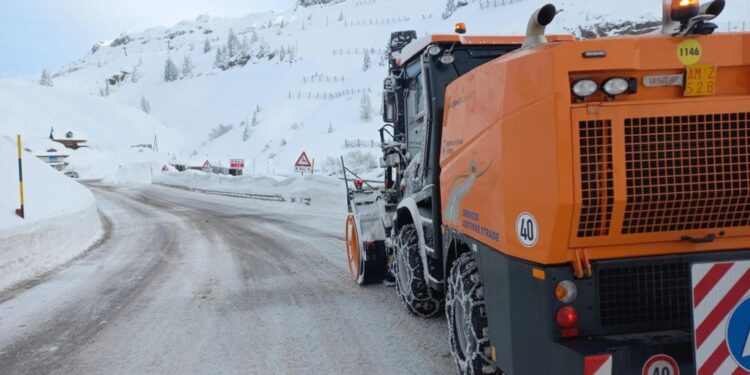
x: 20, y: 212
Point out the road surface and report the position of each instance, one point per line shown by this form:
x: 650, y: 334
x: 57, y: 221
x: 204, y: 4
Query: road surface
x: 186, y: 283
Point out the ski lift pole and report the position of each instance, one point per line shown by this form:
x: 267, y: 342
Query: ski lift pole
x: 20, y: 212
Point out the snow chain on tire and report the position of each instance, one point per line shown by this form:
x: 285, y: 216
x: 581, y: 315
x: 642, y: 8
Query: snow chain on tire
x: 467, y: 319
x: 411, y: 286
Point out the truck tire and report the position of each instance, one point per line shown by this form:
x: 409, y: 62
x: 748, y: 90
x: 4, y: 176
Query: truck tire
x: 418, y: 298
x: 467, y: 319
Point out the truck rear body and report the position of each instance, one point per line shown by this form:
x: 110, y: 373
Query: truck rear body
x: 621, y: 194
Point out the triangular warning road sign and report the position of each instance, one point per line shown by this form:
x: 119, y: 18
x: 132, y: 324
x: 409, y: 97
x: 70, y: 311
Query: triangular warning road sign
x: 165, y: 168
x: 303, y: 161
x: 207, y: 165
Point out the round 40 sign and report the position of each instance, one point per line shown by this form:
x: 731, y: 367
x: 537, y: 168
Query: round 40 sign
x: 661, y: 365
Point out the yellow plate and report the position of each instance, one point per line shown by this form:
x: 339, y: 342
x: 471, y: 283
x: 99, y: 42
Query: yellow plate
x: 700, y: 80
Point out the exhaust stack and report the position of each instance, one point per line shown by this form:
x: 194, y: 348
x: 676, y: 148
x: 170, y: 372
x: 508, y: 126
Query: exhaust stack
x: 538, y: 25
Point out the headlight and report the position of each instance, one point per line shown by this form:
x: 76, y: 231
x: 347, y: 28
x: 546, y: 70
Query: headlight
x: 616, y: 86
x: 585, y: 88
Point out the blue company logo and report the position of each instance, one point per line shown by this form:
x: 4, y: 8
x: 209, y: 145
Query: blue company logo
x: 738, y: 334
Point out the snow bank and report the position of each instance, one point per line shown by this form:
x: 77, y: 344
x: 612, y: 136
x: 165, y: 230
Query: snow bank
x: 61, y: 221
x: 321, y: 189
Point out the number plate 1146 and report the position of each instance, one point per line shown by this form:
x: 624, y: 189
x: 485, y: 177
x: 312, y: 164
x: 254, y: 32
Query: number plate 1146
x: 701, y: 80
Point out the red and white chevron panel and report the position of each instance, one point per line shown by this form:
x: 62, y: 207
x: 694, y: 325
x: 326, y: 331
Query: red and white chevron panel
x: 598, y: 365
x: 718, y: 288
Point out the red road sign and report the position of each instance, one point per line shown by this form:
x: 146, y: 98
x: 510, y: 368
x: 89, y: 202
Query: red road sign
x: 661, y: 364
x: 237, y: 163
x: 165, y: 168
x: 303, y: 161
x: 207, y: 166
x: 718, y: 289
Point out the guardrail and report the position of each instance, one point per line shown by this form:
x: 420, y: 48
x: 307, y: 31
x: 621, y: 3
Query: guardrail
x: 261, y: 197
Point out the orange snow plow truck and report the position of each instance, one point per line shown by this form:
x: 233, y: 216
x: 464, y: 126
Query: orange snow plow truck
x: 573, y: 207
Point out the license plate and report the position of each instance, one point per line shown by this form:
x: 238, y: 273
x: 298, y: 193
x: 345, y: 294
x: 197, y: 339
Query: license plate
x: 700, y: 80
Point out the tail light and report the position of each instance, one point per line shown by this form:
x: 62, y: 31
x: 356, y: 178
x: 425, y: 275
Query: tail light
x: 567, y: 319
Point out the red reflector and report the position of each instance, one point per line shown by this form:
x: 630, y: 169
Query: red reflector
x: 567, y: 317
x: 370, y: 244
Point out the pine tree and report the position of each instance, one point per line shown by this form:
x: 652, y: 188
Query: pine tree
x: 245, y: 46
x: 263, y: 50
x: 171, y: 73
x: 220, y: 58
x: 136, y: 75
x: 282, y: 54
x: 187, y: 67
x: 365, y: 107
x: 246, y: 133
x: 341, y: 16
x: 233, y: 44
x: 254, y: 37
x: 330, y: 127
x: 254, y: 121
x: 46, y: 79
x: 207, y: 46
x: 145, y: 105
x: 366, y: 61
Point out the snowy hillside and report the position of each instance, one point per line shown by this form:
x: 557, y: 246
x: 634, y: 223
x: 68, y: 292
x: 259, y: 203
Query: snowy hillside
x: 111, y: 128
x: 293, y: 81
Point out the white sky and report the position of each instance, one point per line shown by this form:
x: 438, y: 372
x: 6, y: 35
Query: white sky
x: 35, y: 34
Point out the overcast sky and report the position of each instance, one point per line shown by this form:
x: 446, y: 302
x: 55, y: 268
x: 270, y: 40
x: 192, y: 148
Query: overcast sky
x: 35, y: 34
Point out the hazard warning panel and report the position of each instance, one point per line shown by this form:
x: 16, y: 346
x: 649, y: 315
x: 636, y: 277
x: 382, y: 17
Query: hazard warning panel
x: 721, y: 317
x: 598, y: 365
x: 303, y: 163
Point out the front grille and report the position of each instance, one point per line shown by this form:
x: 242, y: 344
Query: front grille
x: 687, y: 173
x: 597, y: 182
x: 654, y: 295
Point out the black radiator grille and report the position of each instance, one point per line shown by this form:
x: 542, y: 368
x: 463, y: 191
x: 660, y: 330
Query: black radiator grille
x: 646, y: 295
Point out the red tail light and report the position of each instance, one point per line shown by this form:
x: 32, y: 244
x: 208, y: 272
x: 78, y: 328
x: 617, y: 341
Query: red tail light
x: 567, y: 319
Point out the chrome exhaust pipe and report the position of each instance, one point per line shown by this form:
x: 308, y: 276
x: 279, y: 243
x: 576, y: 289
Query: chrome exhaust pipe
x: 538, y: 26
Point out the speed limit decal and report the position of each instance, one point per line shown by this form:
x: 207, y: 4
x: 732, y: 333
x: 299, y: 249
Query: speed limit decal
x: 661, y: 364
x: 527, y: 229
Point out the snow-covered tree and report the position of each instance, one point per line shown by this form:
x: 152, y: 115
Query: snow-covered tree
x: 187, y: 67
x: 254, y: 37
x: 145, y: 105
x: 233, y: 44
x: 366, y: 61
x: 136, y: 75
x: 171, y: 73
x: 365, y: 107
x: 263, y: 50
x: 245, y: 46
x: 46, y: 79
x: 341, y: 16
x: 207, y: 46
x: 330, y: 127
x: 282, y: 54
x: 221, y: 58
x: 451, y: 6
x: 246, y: 133
x: 254, y: 121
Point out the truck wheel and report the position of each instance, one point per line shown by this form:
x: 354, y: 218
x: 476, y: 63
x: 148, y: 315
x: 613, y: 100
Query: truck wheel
x: 361, y: 270
x: 467, y: 319
x: 418, y: 298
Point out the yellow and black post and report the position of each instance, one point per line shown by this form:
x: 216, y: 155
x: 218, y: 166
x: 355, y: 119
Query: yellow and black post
x: 20, y: 212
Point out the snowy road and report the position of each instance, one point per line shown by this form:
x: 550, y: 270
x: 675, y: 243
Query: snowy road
x: 186, y: 283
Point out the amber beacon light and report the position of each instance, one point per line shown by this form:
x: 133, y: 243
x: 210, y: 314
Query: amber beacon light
x: 460, y: 28
x: 684, y: 10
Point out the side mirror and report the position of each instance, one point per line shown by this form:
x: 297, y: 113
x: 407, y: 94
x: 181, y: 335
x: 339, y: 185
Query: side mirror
x: 390, y: 110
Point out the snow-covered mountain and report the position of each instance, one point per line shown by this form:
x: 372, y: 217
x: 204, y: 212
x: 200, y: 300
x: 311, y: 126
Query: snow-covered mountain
x: 267, y: 86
